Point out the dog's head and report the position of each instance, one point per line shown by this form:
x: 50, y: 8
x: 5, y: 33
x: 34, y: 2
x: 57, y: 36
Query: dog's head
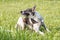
x: 29, y: 11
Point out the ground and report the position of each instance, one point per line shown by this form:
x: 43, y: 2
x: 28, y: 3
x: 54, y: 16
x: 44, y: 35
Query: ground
x: 10, y: 12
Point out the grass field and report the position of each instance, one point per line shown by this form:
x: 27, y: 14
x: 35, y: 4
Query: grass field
x: 9, y: 14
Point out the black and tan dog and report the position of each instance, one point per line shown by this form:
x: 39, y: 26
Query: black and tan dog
x: 32, y: 19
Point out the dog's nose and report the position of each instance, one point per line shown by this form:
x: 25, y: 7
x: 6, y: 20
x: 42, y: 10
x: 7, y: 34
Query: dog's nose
x: 22, y: 12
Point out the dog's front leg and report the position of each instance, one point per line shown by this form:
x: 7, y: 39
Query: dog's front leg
x: 36, y: 28
x: 20, y: 24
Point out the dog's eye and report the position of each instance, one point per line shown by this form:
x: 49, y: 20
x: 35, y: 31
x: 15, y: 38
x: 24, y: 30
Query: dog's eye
x: 24, y: 11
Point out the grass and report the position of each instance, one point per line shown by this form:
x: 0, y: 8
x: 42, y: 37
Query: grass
x: 10, y: 12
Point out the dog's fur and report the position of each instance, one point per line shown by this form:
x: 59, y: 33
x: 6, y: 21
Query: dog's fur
x: 32, y: 19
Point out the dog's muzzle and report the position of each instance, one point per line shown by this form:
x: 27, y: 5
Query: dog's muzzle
x: 25, y: 13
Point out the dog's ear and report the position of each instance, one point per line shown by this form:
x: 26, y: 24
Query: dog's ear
x: 34, y: 7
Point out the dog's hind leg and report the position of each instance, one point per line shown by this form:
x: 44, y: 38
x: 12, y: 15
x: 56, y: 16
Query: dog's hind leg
x: 42, y: 23
x: 36, y: 29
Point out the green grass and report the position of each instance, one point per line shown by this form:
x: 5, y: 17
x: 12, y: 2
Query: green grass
x: 9, y: 14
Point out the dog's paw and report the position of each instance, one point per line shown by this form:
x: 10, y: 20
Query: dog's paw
x: 48, y: 30
x: 42, y: 33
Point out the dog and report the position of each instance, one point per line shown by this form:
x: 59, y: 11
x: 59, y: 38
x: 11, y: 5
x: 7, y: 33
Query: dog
x: 32, y: 19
